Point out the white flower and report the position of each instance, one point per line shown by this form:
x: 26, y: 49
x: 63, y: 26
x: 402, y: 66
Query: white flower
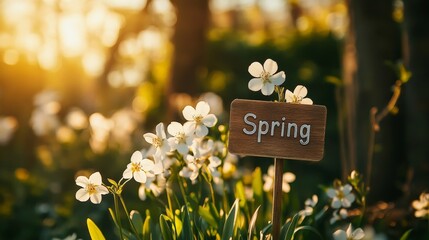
x: 77, y: 119
x: 298, y: 96
x: 214, y: 162
x: 141, y: 169
x: 421, y: 206
x: 92, y: 188
x: 182, y: 137
x: 157, y: 186
x: 349, y: 235
x: 342, y: 196
x: 7, y: 127
x: 288, y: 177
x: 338, y: 215
x: 265, y: 77
x: 159, y: 141
x: 199, y: 118
x: 191, y: 171
x: 310, y: 203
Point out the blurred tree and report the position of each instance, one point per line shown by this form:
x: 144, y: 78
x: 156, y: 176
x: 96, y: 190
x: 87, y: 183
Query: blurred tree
x: 376, y: 37
x: 189, y: 42
x: 417, y: 98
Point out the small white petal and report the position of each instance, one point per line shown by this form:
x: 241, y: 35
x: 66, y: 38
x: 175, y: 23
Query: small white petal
x: 201, y: 131
x: 102, y: 189
x: 255, y: 84
x: 289, y: 177
x: 95, y: 178
x: 270, y: 66
x: 340, y: 235
x: 174, y: 128
x: 300, y: 91
x: 349, y: 230
x: 278, y: 78
x: 347, y: 189
x: 188, y: 113
x: 160, y: 130
x: 202, y: 108
x: 158, y: 168
x: 136, y: 157
x: 307, y: 101
x: 255, y: 69
x: 289, y: 96
x: 147, y: 164
x: 149, y: 137
x: 285, y: 187
x: 210, y: 120
x: 358, y: 234
x: 140, y: 177
x: 142, y: 192
x: 331, y: 192
x: 345, y: 203
x: 82, y: 181
x: 96, y: 198
x: 267, y: 89
x: 336, y: 203
x: 82, y: 195
x: 127, y: 174
x: 182, y: 148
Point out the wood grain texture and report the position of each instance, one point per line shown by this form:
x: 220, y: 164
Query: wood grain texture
x: 275, y: 145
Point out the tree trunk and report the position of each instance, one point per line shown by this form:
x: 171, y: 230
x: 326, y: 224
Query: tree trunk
x: 189, y: 42
x: 377, y: 40
x: 417, y: 97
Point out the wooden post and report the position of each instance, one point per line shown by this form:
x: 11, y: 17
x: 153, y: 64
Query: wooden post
x: 276, y: 218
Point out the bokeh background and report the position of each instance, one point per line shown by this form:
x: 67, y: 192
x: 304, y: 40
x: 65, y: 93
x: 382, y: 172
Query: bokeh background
x: 81, y: 81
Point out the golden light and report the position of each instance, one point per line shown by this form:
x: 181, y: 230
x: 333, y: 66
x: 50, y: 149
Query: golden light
x: 72, y: 34
x: 11, y: 57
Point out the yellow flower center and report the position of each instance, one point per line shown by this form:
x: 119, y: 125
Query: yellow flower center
x: 265, y: 76
x: 180, y: 137
x: 340, y: 194
x: 90, y: 188
x: 198, y: 119
x: 157, y: 142
x: 135, y: 167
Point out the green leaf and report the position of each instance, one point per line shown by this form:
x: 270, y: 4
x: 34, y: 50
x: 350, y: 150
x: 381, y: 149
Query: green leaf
x: 205, y: 213
x: 187, y: 226
x: 146, y: 227
x: 228, y: 228
x: 265, y: 230
x: 94, y: 231
x: 290, y: 228
x: 406, y: 235
x: 257, y: 186
x: 308, y: 228
x: 113, y: 182
x: 252, y: 223
x: 137, y: 220
x: 165, y: 225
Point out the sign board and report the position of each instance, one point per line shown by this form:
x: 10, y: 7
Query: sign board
x: 277, y: 129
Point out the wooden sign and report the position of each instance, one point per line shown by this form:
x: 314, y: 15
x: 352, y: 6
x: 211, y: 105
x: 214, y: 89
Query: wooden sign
x: 278, y: 130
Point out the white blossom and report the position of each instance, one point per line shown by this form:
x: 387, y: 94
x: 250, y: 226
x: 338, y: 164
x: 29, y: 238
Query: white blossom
x: 287, y: 178
x: 199, y: 118
x: 349, y: 234
x: 310, y: 203
x: 92, y: 188
x: 182, y: 137
x: 337, y: 215
x: 298, y: 96
x: 265, y: 77
x: 421, y: 206
x: 342, y: 196
x: 159, y: 141
x: 141, y: 169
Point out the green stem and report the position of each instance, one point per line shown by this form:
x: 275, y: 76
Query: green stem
x: 118, y: 219
x: 129, y: 217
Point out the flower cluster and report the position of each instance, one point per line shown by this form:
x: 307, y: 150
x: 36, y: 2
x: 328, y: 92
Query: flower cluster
x: 421, y: 206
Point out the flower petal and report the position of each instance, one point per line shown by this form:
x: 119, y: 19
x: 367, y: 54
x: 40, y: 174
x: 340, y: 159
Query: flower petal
x: 285, y: 187
x: 336, y: 203
x: 202, y: 108
x: 358, y: 234
x: 289, y: 96
x: 331, y: 192
x: 340, y: 235
x: 255, y: 69
x: 182, y: 148
x: 140, y: 177
x: 96, y: 198
x: 82, y: 181
x: 82, y: 195
x: 142, y: 192
x: 174, y: 128
x: 102, y: 189
x: 267, y: 89
x: 300, y: 91
x: 149, y: 137
x: 255, y: 84
x: 347, y: 189
x: 127, y: 174
x: 95, y: 178
x: 210, y: 120
x: 278, y: 78
x: 147, y: 164
x: 288, y: 177
x: 201, y: 131
x: 136, y: 157
x: 307, y: 101
x: 160, y: 132
x: 270, y: 66
x: 188, y: 113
